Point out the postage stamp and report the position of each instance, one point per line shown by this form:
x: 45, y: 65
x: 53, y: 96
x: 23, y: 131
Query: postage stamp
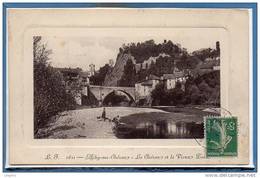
x: 221, y: 136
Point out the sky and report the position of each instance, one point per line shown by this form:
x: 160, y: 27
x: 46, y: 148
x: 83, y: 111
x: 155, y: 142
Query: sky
x: 81, y: 51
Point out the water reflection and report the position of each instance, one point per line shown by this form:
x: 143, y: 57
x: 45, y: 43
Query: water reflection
x: 160, y: 129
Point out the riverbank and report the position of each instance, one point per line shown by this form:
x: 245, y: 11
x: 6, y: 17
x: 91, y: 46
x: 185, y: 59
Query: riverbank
x: 83, y: 122
x: 172, y: 113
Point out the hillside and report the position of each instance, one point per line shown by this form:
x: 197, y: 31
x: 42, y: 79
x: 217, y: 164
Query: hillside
x: 113, y: 78
x: 151, y: 58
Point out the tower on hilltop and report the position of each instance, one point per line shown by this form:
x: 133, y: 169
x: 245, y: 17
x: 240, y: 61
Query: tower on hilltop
x: 218, y: 47
x: 91, y: 69
x: 111, y: 62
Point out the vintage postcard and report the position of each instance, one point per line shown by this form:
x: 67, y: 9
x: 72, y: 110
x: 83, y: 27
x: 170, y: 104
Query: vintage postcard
x: 117, y: 86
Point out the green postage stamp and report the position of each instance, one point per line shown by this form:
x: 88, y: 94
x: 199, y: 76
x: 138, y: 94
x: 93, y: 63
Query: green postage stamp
x: 221, y: 136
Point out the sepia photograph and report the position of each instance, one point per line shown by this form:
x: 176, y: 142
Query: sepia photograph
x: 111, y: 87
x: 130, y: 87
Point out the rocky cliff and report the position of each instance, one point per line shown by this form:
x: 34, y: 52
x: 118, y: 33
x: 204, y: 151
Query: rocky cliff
x: 113, y: 77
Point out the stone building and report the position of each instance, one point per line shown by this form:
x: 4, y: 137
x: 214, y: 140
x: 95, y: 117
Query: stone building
x: 170, y: 80
x: 144, y: 88
x: 75, y: 81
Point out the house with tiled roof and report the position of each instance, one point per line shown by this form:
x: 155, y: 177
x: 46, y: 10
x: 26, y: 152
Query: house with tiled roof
x: 144, y: 88
x: 170, y: 80
x: 75, y: 81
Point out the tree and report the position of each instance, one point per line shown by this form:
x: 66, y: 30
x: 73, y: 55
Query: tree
x: 99, y: 77
x: 128, y: 78
x: 205, y: 89
x: 154, y: 69
x: 50, y: 95
x: 159, y: 94
x: 168, y: 47
x: 177, y: 94
x: 40, y: 51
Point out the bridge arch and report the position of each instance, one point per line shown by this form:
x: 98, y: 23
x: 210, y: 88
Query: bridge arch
x: 132, y: 99
x: 101, y: 92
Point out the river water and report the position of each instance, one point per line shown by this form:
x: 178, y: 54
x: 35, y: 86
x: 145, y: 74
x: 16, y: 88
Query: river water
x: 160, y: 129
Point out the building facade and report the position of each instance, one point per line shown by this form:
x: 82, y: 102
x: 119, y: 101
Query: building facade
x: 144, y: 88
x: 170, y: 80
x: 75, y: 81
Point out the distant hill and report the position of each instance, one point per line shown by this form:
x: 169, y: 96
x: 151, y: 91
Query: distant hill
x: 135, y: 61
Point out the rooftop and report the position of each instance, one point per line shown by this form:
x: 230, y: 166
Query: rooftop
x: 147, y: 83
x: 210, y: 64
x: 168, y: 76
x: 173, y: 76
x: 153, y: 77
x: 148, y: 80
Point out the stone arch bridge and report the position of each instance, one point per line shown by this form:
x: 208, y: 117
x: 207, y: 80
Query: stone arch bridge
x: 101, y: 92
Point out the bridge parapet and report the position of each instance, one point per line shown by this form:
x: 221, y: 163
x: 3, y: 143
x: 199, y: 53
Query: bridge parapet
x: 111, y: 87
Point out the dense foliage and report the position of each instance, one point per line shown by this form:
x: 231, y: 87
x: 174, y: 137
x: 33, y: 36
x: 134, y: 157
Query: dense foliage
x: 128, y: 78
x: 162, y: 96
x: 50, y: 95
x: 142, y: 51
x: 99, y: 77
x: 175, y: 56
x: 198, y: 91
